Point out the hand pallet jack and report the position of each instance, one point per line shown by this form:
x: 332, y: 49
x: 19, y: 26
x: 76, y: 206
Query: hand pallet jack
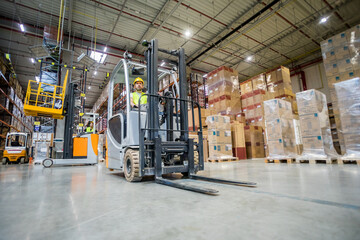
x: 139, y: 144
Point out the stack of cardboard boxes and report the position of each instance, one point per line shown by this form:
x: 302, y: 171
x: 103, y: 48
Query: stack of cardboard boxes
x: 254, y: 141
x: 252, y: 97
x: 280, y: 133
x: 238, y: 139
x: 315, y: 126
x: 197, y: 90
x: 219, y: 137
x: 341, y: 61
x: 348, y: 93
x: 278, y: 84
x: 224, y: 92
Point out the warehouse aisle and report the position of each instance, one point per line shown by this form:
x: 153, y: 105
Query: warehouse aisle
x: 291, y: 202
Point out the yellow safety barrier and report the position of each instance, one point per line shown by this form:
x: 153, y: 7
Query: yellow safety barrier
x: 49, y: 103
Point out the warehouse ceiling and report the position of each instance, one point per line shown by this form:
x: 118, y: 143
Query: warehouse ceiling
x: 286, y: 34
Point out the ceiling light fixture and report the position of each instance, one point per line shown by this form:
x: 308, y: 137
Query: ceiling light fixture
x: 89, y: 87
x: 22, y: 27
x: 37, y: 79
x: 162, y: 64
x: 323, y: 20
x: 187, y: 33
x: 105, y: 49
x: 204, y: 76
x: 249, y: 58
x: 95, y: 73
x: 32, y: 60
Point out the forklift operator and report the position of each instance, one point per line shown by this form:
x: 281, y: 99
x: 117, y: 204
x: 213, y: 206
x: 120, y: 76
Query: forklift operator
x: 135, y: 96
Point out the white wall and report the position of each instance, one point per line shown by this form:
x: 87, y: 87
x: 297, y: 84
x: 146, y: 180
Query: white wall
x: 315, y: 79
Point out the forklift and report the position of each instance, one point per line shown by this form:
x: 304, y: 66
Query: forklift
x: 16, y: 148
x: 146, y: 142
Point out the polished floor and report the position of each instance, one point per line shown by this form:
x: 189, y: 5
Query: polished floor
x: 89, y: 202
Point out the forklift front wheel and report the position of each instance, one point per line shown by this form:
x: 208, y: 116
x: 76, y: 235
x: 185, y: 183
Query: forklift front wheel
x: 131, y: 166
x: 47, y: 163
x: 22, y: 160
x: 4, y: 160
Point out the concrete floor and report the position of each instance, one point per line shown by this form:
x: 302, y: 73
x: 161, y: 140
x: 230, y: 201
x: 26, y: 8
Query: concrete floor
x: 89, y: 202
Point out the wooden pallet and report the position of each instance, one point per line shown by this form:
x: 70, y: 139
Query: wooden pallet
x: 283, y: 160
x: 344, y: 161
x: 223, y: 160
x: 317, y: 161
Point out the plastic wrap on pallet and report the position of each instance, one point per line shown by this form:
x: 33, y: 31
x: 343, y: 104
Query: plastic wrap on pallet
x: 280, y: 132
x: 219, y: 137
x: 348, y: 94
x: 224, y: 96
x: 315, y: 126
x: 277, y: 108
x: 103, y: 97
x: 258, y: 82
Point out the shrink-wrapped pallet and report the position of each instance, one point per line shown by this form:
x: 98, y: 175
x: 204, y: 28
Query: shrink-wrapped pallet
x: 280, y: 133
x: 348, y: 94
x: 315, y: 126
x: 219, y: 137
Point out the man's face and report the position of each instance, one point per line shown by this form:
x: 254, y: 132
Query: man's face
x: 139, y: 86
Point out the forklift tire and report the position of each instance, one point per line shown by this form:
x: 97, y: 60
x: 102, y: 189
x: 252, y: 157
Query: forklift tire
x: 47, y: 162
x: 22, y: 160
x: 4, y: 161
x: 131, y: 166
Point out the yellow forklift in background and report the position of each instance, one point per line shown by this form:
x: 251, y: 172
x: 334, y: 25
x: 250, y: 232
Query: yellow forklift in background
x: 16, y: 148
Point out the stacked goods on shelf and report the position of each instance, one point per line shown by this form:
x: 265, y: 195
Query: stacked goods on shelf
x: 197, y: 89
x: 280, y: 132
x: 14, y: 83
x: 315, y: 126
x: 348, y: 94
x: 341, y: 61
x: 102, y: 98
x: 238, y: 139
x: 254, y: 141
x: 219, y: 137
x: 224, y: 93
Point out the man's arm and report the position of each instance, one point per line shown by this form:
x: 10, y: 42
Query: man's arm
x: 131, y: 100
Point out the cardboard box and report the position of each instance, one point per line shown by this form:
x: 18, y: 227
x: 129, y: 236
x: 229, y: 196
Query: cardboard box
x: 219, y: 136
x: 206, y: 149
x: 258, y: 82
x: 311, y: 101
x: 256, y: 150
x: 223, y: 73
x: 220, y: 151
x: 238, y: 134
x: 253, y: 134
x: 246, y: 87
x: 240, y: 117
x: 280, y: 128
x: 282, y: 148
x: 312, y: 124
x: 277, y: 108
x: 239, y: 152
x: 217, y: 122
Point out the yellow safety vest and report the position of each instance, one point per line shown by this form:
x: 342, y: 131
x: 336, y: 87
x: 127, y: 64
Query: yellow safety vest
x: 136, y: 98
x: 89, y: 129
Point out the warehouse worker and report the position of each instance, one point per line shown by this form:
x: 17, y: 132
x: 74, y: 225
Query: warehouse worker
x: 89, y: 128
x: 135, y: 96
